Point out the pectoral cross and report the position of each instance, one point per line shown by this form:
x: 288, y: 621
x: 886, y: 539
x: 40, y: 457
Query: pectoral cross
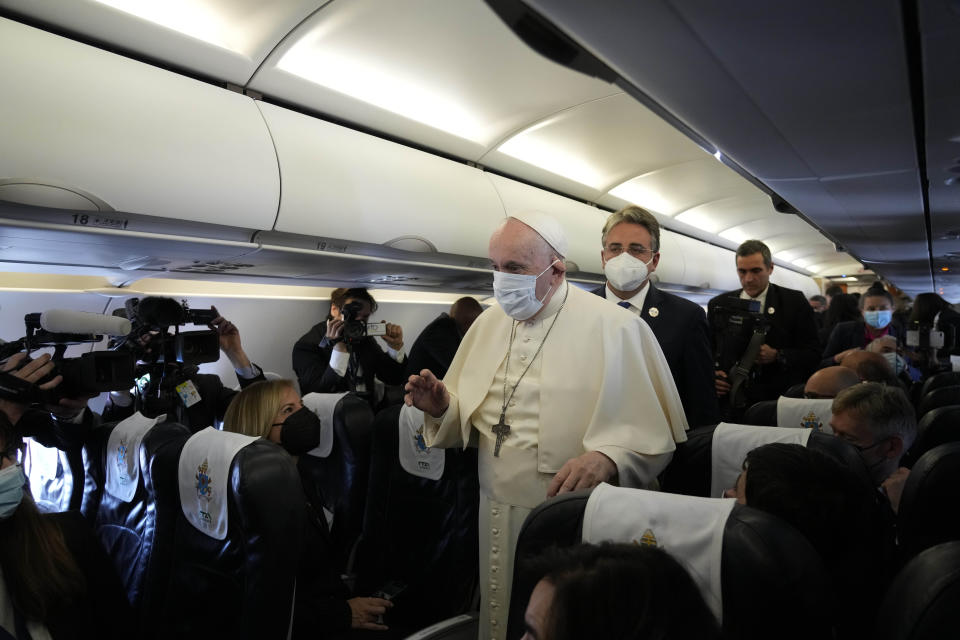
x: 502, y: 430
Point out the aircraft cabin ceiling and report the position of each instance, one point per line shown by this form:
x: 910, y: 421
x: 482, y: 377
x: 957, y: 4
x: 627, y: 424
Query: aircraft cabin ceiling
x: 846, y: 110
x: 451, y: 78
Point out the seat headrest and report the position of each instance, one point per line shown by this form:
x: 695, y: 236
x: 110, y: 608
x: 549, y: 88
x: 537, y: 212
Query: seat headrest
x: 416, y: 458
x: 732, y: 443
x: 928, y: 513
x: 324, y: 406
x: 690, y: 528
x: 805, y: 413
x: 921, y: 603
x: 123, y: 455
x: 204, y: 475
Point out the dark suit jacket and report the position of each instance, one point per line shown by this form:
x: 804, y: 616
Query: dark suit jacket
x: 793, y: 332
x: 311, y: 362
x: 435, y: 347
x: 681, y: 329
x: 849, y: 335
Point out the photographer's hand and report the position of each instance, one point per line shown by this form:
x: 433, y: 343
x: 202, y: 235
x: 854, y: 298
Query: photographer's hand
x: 335, y: 332
x: 230, y: 341
x: 394, y: 336
x: 721, y: 386
x: 31, y: 372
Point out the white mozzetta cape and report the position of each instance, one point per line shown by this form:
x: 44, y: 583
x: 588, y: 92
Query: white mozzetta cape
x: 605, y: 386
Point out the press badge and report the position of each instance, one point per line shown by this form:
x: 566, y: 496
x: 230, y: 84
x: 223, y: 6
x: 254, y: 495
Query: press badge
x: 188, y: 393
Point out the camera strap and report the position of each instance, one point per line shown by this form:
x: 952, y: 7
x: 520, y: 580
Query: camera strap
x: 740, y: 372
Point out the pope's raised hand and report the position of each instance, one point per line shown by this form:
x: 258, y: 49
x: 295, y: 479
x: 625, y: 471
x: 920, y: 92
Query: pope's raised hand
x: 427, y: 393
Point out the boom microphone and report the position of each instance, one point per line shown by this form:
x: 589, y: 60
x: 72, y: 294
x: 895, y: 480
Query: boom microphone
x: 83, y: 322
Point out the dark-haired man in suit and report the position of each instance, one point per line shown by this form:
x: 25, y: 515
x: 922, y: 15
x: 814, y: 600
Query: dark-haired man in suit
x: 790, y: 350
x: 630, y: 254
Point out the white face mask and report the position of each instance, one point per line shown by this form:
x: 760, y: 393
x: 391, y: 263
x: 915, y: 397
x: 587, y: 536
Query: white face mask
x: 625, y: 272
x: 516, y: 293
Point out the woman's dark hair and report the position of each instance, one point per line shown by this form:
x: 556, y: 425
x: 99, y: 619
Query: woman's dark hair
x: 876, y: 290
x: 621, y: 591
x: 926, y: 306
x: 843, y: 308
x: 40, y: 572
x: 836, y: 512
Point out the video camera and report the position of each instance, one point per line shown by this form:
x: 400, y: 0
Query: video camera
x: 150, y: 341
x: 933, y: 342
x: 87, y: 375
x: 354, y: 330
x: 740, y: 328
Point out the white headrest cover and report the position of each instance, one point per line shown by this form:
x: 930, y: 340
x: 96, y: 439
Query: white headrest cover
x: 689, y: 528
x: 323, y: 405
x: 123, y: 455
x: 204, y: 472
x: 732, y: 443
x: 416, y: 458
x: 805, y: 413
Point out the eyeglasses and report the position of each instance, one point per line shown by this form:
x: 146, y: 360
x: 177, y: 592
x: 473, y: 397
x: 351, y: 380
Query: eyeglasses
x: 861, y: 449
x: 636, y: 251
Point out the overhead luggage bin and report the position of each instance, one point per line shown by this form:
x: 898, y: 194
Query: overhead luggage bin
x: 707, y: 266
x: 340, y: 183
x: 127, y: 136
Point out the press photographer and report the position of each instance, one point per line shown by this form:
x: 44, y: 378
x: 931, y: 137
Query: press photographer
x: 341, y: 353
x: 167, y: 377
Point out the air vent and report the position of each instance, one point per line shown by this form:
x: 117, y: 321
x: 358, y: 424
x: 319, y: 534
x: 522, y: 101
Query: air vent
x: 951, y: 235
x: 213, y: 267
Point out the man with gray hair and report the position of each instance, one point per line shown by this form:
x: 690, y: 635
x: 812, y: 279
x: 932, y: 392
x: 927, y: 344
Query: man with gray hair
x: 558, y: 390
x: 630, y: 254
x: 879, y: 421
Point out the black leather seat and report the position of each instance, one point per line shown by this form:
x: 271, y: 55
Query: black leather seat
x: 796, y: 391
x: 941, y: 397
x: 939, y: 380
x: 342, y: 477
x: 762, y: 414
x: 419, y: 532
x: 241, y: 586
x: 689, y: 472
x: 937, y: 426
x: 136, y: 534
x: 923, y: 603
x: 773, y: 583
x: 929, y: 512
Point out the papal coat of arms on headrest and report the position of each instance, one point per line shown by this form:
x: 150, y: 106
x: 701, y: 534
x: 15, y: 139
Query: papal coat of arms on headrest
x: 647, y: 539
x: 122, y: 460
x: 204, y: 490
x: 811, y: 421
x: 420, y: 442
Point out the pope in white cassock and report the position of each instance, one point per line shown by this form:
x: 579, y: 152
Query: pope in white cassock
x: 558, y: 388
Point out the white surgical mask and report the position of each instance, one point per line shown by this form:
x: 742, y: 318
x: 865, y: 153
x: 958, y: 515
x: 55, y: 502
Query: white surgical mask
x: 897, y: 363
x: 625, y: 272
x: 878, y: 319
x: 11, y: 490
x: 516, y: 293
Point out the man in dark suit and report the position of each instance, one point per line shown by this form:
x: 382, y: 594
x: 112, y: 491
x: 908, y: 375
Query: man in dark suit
x: 327, y: 363
x: 436, y: 345
x: 790, y: 351
x: 631, y: 252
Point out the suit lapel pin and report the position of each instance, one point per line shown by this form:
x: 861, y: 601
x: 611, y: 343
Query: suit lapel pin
x: 654, y: 312
x: 771, y: 310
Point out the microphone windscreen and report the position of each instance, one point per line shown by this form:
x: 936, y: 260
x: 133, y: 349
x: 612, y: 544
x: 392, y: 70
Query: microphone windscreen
x: 66, y: 321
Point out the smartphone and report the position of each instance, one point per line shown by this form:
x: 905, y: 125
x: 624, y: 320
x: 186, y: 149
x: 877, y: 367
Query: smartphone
x: 376, y: 328
x: 389, y: 591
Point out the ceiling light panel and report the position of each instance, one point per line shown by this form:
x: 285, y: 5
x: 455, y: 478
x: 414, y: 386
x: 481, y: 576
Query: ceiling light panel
x: 223, y: 39
x: 727, y: 212
x: 602, y: 143
x: 406, y: 68
x: 677, y: 188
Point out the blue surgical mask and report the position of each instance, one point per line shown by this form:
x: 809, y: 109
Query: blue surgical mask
x: 878, y: 319
x: 516, y: 293
x: 11, y: 490
x: 897, y: 363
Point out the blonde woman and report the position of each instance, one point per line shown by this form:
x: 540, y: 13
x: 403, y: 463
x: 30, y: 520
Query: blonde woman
x: 273, y: 410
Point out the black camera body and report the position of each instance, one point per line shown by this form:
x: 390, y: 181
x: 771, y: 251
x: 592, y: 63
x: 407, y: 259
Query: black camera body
x: 354, y: 330
x: 152, y: 317
x: 734, y: 322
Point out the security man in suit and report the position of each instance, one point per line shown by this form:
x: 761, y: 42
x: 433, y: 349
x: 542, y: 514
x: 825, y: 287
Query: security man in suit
x: 630, y: 254
x: 325, y: 363
x: 790, y: 351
